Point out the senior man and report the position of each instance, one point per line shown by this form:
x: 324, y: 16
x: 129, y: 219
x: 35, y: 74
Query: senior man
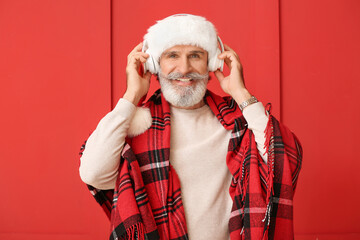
x: 228, y: 170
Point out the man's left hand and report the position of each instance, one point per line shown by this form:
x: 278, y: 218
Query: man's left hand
x: 234, y: 83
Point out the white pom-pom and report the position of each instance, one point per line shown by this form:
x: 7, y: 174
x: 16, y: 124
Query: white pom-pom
x: 141, y: 122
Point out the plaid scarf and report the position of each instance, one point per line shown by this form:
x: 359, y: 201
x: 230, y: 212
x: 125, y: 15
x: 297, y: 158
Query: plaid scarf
x: 146, y: 202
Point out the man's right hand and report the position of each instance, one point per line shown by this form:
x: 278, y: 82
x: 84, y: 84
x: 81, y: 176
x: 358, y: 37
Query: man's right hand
x: 137, y: 85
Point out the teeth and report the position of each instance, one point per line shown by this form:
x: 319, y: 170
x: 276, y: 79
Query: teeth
x: 184, y: 79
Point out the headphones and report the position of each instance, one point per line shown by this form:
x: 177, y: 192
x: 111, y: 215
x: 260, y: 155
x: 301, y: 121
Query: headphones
x: 214, y: 63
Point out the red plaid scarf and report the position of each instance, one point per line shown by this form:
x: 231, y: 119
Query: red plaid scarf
x: 146, y: 203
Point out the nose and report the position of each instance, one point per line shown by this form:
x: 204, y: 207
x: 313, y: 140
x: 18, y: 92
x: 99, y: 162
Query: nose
x: 184, y: 65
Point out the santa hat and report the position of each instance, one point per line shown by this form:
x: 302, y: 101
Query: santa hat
x: 181, y: 29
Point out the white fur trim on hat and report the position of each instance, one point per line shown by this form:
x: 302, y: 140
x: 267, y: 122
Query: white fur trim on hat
x: 182, y: 29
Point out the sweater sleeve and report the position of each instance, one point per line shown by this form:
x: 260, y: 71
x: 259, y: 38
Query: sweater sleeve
x: 257, y: 121
x: 100, y: 159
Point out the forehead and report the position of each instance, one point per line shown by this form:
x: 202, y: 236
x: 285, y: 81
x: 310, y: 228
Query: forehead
x: 185, y: 49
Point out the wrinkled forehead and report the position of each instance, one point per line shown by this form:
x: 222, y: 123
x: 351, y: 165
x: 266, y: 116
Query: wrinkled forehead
x: 185, y: 49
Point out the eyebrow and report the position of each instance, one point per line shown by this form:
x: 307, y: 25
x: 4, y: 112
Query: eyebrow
x: 191, y: 52
x: 196, y: 51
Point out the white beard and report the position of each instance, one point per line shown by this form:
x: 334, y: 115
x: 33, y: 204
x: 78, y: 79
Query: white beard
x: 183, y: 96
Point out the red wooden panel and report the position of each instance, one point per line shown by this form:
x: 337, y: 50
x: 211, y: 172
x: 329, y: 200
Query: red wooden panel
x: 320, y: 78
x: 249, y: 27
x: 55, y: 72
x: 55, y: 86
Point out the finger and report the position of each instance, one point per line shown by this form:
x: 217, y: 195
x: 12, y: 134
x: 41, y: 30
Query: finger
x: 136, y: 60
x: 227, y: 48
x: 222, y: 56
x: 136, y: 49
x: 147, y: 75
x: 134, y: 63
x: 138, y: 56
x: 141, y: 56
x: 146, y: 55
x: 219, y: 75
x: 232, y: 56
x: 140, y: 60
x: 230, y: 59
x: 225, y: 54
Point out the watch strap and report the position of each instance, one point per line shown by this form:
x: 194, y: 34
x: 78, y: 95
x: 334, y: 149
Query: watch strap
x: 248, y: 102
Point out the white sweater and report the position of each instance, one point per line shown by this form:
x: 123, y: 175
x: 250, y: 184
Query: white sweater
x: 198, y: 149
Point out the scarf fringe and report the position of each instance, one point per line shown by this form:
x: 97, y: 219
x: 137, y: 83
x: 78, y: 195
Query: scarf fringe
x: 269, y: 145
x: 243, y: 187
x: 135, y: 232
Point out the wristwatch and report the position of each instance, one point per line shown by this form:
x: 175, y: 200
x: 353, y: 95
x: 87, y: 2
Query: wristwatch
x: 248, y: 102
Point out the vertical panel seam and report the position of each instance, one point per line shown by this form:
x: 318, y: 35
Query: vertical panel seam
x: 280, y: 63
x: 111, y: 57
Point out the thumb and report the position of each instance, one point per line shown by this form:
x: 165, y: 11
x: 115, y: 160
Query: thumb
x: 219, y: 75
x: 147, y: 75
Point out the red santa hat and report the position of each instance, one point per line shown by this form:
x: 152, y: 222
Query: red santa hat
x: 181, y: 29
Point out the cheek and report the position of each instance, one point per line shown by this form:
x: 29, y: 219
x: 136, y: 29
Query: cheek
x: 166, y: 67
x: 202, y: 67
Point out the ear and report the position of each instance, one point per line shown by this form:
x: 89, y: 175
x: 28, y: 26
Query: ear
x: 141, y: 122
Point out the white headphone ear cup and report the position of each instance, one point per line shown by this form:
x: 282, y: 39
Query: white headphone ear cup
x: 216, y: 63
x: 211, y: 64
x: 151, y: 65
x: 156, y: 67
x: 221, y: 65
x: 219, y: 62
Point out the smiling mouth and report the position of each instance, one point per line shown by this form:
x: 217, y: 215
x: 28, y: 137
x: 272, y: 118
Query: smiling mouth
x: 183, y: 79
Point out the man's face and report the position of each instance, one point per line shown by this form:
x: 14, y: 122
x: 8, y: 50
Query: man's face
x: 184, y: 75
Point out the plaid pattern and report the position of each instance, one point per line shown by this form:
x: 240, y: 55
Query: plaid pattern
x: 146, y: 203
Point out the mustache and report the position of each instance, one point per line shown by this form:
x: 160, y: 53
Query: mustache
x: 192, y: 75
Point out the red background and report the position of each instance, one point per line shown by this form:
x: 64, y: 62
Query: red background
x: 62, y: 67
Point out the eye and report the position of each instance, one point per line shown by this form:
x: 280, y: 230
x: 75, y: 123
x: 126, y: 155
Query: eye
x: 172, y: 55
x: 194, y: 55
